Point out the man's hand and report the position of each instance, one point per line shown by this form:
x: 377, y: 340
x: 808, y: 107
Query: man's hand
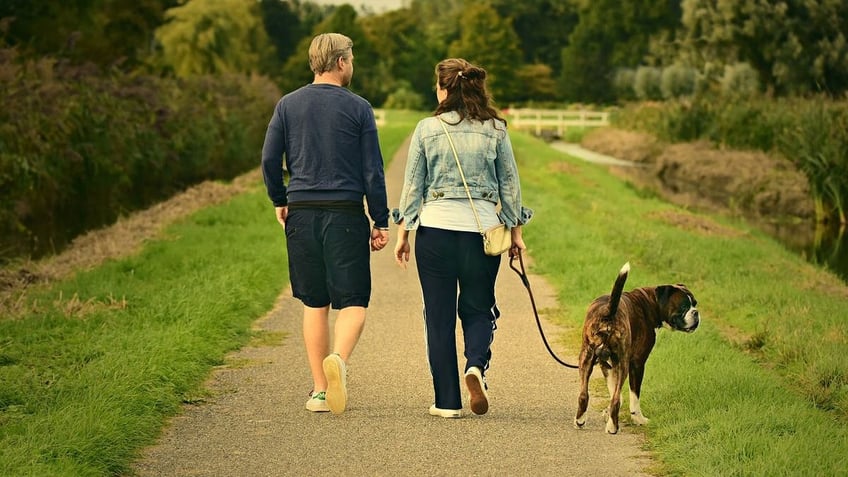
x: 282, y: 213
x: 379, y: 239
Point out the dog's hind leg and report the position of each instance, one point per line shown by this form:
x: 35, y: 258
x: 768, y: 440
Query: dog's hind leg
x: 636, y: 374
x: 585, y: 365
x: 615, y: 381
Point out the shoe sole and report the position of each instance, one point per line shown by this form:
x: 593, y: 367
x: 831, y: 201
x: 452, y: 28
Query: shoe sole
x: 478, y: 398
x: 317, y: 407
x: 336, y: 386
x: 445, y: 413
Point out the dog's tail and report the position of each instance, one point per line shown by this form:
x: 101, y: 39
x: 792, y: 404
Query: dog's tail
x: 617, y: 288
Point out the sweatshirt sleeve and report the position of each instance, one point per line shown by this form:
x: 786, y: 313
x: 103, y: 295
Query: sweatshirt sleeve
x: 272, y: 158
x: 373, y: 173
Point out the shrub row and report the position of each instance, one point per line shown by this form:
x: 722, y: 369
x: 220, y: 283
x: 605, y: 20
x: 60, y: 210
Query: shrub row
x: 79, y: 147
x: 810, y: 132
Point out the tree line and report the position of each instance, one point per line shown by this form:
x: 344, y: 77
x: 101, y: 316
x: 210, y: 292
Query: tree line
x: 588, y: 51
x: 112, y: 105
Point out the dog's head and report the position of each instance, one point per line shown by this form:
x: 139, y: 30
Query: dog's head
x: 678, y: 306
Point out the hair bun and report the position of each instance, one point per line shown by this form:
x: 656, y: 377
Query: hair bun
x: 474, y: 73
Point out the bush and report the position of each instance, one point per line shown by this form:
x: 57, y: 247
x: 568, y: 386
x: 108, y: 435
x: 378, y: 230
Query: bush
x: 676, y: 81
x: 623, y: 82
x: 646, y: 83
x: 740, y: 80
x: 404, y: 98
x: 78, y: 147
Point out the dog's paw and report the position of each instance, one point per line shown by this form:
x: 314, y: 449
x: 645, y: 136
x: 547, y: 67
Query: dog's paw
x: 638, y: 419
x: 611, y: 427
x: 579, y: 422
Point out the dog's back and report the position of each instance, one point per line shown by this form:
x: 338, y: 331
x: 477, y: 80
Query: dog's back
x: 604, y: 333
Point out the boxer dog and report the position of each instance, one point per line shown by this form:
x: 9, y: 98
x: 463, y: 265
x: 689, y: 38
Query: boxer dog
x: 619, y: 333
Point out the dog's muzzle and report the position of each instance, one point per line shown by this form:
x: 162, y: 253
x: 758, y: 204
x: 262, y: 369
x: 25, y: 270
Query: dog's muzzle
x: 691, y: 320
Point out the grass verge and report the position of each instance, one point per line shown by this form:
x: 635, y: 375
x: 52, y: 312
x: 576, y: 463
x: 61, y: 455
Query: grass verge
x: 761, y: 388
x: 92, y: 365
x: 102, y: 357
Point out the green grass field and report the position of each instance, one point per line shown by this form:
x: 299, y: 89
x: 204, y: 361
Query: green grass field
x: 90, y: 374
x: 761, y: 388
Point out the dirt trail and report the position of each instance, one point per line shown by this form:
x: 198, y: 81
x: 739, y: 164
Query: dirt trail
x: 256, y: 425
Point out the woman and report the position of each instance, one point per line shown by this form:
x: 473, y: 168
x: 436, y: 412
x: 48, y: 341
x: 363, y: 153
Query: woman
x: 448, y: 242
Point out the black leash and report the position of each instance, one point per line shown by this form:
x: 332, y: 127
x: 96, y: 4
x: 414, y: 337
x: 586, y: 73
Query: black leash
x: 523, y: 275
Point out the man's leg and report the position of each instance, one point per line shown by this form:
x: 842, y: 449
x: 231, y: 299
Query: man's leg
x: 347, y: 255
x: 316, y: 336
x: 348, y: 329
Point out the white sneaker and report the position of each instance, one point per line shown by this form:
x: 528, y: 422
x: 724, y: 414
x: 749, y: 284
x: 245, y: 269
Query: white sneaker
x: 478, y: 396
x: 317, y: 402
x: 336, y: 373
x: 446, y: 413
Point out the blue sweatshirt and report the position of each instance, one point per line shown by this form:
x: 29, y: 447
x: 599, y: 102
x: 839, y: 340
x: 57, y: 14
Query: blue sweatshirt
x: 329, y: 138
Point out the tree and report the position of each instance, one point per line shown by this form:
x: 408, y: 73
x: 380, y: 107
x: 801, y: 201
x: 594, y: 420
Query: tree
x: 796, y: 46
x: 366, y: 80
x: 406, y: 58
x: 284, y: 29
x: 105, y: 32
x: 213, y: 36
x: 542, y: 26
x: 538, y: 82
x: 611, y: 35
x: 440, y: 21
x: 488, y: 40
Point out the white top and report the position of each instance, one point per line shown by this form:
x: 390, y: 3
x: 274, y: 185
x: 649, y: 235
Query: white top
x: 456, y: 214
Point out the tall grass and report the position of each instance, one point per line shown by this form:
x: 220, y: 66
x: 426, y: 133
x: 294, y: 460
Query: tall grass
x: 79, y: 148
x: 818, y: 144
x: 762, y: 387
x: 812, y: 133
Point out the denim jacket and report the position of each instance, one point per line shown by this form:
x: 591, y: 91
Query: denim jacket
x: 488, y: 163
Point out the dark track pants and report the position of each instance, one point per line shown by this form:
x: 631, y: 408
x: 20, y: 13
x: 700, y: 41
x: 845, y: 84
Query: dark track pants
x: 446, y: 259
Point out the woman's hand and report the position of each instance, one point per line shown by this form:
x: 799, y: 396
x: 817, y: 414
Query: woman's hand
x: 402, y: 249
x: 517, y: 241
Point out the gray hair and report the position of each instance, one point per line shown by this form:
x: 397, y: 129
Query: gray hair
x: 326, y: 49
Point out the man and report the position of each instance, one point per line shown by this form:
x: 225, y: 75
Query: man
x: 329, y: 138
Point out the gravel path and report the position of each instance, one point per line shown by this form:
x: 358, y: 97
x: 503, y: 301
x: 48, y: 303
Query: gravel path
x: 256, y: 425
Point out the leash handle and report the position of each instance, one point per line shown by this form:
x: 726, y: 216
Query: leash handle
x: 523, y: 275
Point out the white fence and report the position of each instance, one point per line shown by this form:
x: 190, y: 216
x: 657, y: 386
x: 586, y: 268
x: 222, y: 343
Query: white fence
x: 559, y: 120
x: 380, y: 117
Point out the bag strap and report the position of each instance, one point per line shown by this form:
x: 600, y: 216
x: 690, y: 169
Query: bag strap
x: 461, y: 174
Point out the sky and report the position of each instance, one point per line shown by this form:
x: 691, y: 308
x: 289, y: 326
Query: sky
x: 376, y: 5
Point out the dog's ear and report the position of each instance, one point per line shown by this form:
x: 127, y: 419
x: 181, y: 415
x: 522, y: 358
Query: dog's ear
x: 664, y: 292
x: 688, y: 293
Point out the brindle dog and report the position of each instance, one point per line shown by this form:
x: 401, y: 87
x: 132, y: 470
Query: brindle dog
x: 619, y: 333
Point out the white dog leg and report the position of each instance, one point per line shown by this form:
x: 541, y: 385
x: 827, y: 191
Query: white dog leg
x: 636, y: 411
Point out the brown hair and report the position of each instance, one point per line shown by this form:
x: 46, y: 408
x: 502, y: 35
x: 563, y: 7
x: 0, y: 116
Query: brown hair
x: 465, y: 84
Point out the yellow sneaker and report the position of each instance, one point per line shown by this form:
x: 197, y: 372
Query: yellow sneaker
x: 336, y: 373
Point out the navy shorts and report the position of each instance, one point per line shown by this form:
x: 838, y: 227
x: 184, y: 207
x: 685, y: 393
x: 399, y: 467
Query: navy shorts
x: 329, y: 257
